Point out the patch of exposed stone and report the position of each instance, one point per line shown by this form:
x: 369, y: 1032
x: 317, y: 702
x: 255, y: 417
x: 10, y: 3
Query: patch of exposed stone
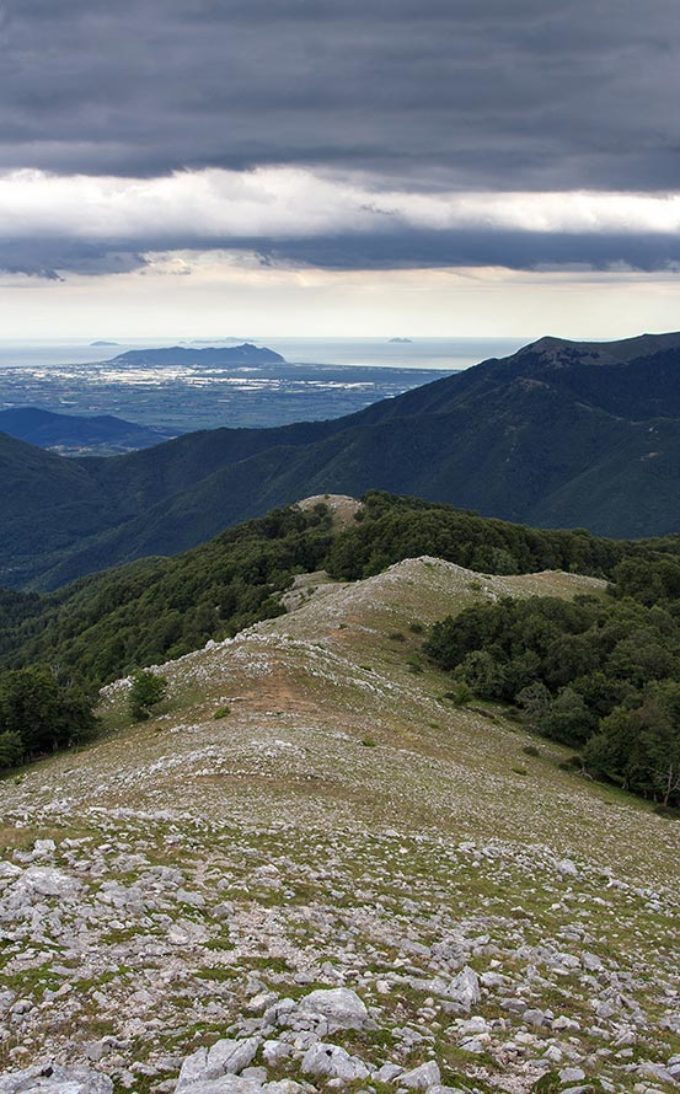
x: 155, y: 953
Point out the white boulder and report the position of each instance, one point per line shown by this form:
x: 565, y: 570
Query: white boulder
x: 331, y: 1062
x: 56, y: 1080
x: 465, y: 988
x: 341, y: 1007
x: 225, y: 1057
x: 421, y: 1077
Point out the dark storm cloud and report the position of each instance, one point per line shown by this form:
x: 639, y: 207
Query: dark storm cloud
x: 54, y: 259
x: 491, y: 93
x: 514, y: 250
x: 415, y: 95
x: 511, y: 249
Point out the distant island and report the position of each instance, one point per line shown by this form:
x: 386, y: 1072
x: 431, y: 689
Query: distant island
x: 401, y: 340
x: 245, y: 354
x: 103, y: 342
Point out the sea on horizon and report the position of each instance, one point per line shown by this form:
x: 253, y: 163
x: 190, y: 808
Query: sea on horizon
x: 428, y: 353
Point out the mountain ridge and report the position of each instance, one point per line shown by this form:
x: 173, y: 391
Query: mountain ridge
x: 73, y: 433
x: 304, y: 824
x: 623, y: 349
x: 108, y: 622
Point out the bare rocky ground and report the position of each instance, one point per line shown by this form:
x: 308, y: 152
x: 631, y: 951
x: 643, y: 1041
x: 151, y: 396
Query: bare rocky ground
x: 311, y: 871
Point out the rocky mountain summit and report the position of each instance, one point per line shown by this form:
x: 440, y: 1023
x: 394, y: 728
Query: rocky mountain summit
x: 313, y: 871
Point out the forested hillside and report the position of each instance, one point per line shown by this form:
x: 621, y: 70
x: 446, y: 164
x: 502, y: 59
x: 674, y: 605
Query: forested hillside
x: 559, y: 435
x: 600, y: 675
x: 104, y: 626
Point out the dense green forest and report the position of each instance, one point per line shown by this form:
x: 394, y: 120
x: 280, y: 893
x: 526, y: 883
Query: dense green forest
x: 106, y: 625
x: 392, y: 528
x: 147, y: 612
x: 158, y: 609
x: 599, y: 674
x: 38, y: 715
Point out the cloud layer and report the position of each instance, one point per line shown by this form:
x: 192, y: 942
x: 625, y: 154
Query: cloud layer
x: 375, y: 133
x: 509, y: 94
x: 94, y: 224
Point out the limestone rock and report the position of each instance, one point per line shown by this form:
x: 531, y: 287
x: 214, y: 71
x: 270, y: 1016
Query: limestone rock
x: 341, y: 1007
x: 226, y: 1084
x: 567, y: 868
x: 388, y: 1072
x: 572, y: 1075
x: 421, y: 1077
x: 275, y: 1052
x: 56, y: 1080
x: 225, y: 1057
x: 331, y: 1062
x: 465, y: 988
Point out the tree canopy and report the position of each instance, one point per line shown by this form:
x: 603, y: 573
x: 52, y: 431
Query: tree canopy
x: 587, y: 657
x: 599, y: 674
x: 38, y: 715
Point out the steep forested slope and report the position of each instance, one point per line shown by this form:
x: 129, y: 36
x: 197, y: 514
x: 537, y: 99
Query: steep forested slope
x: 560, y: 434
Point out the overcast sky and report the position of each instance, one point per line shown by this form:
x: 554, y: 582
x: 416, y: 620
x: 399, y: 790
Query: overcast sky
x: 445, y: 167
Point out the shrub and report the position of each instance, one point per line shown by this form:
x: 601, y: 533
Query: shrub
x: 461, y: 694
x: 667, y: 811
x: 148, y: 689
x: 222, y: 712
x: 574, y: 763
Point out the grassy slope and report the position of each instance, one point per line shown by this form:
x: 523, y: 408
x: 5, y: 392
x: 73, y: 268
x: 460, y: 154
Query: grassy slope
x: 430, y: 811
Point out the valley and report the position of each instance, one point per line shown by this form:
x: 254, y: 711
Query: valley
x: 184, y: 395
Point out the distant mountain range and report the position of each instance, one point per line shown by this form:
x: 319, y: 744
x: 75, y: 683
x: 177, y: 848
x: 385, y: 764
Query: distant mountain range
x: 245, y: 354
x: 69, y: 433
x: 561, y: 434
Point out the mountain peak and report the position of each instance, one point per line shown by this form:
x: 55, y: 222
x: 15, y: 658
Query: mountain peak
x: 342, y: 507
x: 563, y: 351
